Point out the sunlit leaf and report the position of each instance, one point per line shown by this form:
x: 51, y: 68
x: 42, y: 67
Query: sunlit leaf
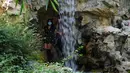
x: 47, y: 3
x: 16, y: 1
x: 56, y: 2
x: 81, y: 55
x: 22, y: 6
x: 54, y: 7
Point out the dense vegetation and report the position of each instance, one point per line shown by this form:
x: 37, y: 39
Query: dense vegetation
x: 17, y: 44
x: 20, y: 50
x: 20, y: 46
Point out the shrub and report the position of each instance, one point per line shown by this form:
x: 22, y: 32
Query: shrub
x: 19, y: 51
x: 17, y: 46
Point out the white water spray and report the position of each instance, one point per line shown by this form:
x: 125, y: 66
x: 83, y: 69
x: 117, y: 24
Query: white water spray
x: 67, y: 21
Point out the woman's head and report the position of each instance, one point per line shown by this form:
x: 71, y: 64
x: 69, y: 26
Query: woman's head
x: 49, y: 22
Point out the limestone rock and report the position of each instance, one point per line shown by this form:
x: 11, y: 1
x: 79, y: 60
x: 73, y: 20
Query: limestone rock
x: 111, y: 29
x: 126, y: 25
x: 107, y: 29
x: 112, y: 47
x: 109, y: 40
x: 102, y: 15
x: 102, y: 11
x: 9, y: 6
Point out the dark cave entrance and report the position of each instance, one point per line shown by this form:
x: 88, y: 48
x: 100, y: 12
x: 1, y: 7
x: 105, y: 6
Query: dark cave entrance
x: 43, y: 15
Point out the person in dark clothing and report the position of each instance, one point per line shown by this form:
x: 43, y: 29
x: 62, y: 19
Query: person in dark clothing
x: 49, y: 36
x: 52, y: 38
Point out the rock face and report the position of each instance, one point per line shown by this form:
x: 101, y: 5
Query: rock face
x: 110, y: 45
x: 100, y: 10
x: 35, y: 5
x: 9, y: 7
x: 11, y: 13
x: 103, y: 11
x: 116, y: 45
x: 109, y: 49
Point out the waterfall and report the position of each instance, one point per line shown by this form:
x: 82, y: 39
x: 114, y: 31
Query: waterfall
x: 67, y: 21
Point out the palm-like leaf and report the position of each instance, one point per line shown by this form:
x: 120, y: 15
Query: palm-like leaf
x: 54, y: 7
x: 53, y: 3
x: 16, y: 1
x: 22, y: 7
x: 47, y: 2
x: 56, y: 2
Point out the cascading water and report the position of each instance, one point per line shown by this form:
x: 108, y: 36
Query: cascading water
x: 67, y: 21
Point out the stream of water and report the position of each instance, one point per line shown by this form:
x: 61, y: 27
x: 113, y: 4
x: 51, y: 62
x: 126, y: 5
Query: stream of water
x: 67, y: 21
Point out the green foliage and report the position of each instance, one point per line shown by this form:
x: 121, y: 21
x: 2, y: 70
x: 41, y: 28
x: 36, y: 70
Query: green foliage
x: 79, y: 49
x: 47, y: 2
x: 56, y: 2
x: 19, y: 51
x: 73, y: 54
x: 128, y: 71
x: 22, y: 7
x: 50, y: 68
x: 17, y: 43
x: 53, y: 5
x: 16, y: 1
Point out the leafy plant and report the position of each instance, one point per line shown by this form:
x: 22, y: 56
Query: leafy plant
x: 54, y: 4
x: 51, y: 68
x: 17, y: 44
x: 22, y: 7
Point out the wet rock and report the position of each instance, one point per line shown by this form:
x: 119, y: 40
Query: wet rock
x: 112, y: 47
x: 126, y: 25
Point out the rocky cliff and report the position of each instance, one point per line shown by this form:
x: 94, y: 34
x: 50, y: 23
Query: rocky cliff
x: 105, y: 32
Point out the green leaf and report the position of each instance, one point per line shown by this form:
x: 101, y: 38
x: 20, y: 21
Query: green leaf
x: 80, y: 47
x: 80, y: 55
x: 47, y: 3
x: 54, y: 7
x: 56, y: 2
x: 16, y: 1
x: 22, y: 6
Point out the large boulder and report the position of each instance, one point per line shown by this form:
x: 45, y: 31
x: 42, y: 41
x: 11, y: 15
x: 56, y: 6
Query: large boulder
x: 110, y: 48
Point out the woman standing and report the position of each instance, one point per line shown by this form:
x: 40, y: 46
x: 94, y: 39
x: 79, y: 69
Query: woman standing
x: 48, y: 39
